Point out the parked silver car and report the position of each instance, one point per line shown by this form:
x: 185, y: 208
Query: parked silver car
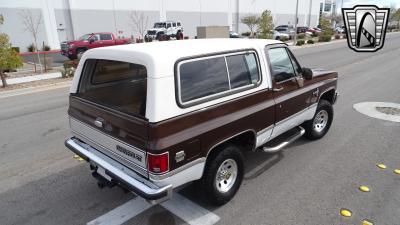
x: 280, y: 36
x: 286, y: 29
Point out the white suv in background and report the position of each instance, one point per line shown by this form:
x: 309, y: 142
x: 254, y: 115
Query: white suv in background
x: 170, y: 28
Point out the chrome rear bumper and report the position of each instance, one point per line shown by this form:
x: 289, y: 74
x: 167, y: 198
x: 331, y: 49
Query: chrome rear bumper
x: 118, y: 174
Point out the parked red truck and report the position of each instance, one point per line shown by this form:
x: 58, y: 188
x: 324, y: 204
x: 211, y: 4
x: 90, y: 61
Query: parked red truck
x: 74, y: 49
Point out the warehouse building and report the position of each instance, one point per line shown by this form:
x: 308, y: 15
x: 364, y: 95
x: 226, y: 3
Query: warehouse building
x: 64, y: 20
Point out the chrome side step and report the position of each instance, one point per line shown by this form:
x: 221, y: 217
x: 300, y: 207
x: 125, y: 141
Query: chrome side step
x: 286, y: 142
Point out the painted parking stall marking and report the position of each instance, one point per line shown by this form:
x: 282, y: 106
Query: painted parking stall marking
x: 189, y: 211
x: 182, y: 207
x: 122, y: 213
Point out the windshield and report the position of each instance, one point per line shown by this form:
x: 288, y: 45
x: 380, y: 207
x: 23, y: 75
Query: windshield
x: 84, y: 37
x: 159, y: 25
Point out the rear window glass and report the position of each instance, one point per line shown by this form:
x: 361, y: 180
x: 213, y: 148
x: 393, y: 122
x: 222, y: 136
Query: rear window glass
x: 118, y: 85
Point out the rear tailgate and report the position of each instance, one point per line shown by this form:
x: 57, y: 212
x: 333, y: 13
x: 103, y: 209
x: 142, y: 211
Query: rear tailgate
x: 108, y: 112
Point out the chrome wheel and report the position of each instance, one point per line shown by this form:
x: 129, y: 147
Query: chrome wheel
x: 320, y: 120
x: 226, y: 175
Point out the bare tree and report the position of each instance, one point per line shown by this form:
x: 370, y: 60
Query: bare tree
x: 139, y: 22
x: 334, y: 18
x: 32, y: 24
x: 251, y: 21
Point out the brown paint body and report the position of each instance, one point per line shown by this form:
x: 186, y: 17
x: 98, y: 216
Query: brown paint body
x: 198, y: 132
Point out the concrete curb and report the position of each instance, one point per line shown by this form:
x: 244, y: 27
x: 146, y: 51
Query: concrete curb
x: 26, y: 79
x: 317, y: 44
x: 30, y: 90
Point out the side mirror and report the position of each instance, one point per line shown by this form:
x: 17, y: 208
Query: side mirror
x: 307, y: 73
x: 91, y: 40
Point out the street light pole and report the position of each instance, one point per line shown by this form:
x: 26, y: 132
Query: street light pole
x: 295, y: 23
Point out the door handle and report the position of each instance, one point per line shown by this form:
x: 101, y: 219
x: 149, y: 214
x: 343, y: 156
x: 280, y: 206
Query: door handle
x: 277, y: 89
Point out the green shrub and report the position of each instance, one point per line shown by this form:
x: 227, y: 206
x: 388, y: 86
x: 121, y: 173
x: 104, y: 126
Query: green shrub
x: 337, y: 36
x: 310, y: 41
x: 301, y: 36
x: 300, y: 42
x: 324, y: 38
x: 46, y: 48
x: 315, y: 34
x: 16, y: 49
x: 265, y: 25
x: 31, y: 48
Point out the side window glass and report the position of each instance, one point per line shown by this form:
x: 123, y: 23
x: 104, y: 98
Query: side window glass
x: 168, y: 25
x: 296, y: 66
x: 95, y: 37
x: 174, y: 24
x: 252, y: 66
x: 242, y: 69
x: 179, y: 24
x: 202, y: 78
x: 281, y: 65
x: 105, y: 37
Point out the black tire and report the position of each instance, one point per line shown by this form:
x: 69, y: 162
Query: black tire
x: 177, y: 35
x: 158, y: 35
x: 225, y: 154
x: 315, y: 130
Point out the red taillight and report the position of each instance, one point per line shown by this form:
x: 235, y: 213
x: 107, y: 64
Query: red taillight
x: 157, y: 163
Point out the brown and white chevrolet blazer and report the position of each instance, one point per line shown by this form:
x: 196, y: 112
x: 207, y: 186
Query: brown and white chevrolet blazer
x: 152, y: 117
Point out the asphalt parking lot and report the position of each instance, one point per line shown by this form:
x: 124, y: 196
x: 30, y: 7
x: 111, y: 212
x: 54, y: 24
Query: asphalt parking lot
x: 306, y: 183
